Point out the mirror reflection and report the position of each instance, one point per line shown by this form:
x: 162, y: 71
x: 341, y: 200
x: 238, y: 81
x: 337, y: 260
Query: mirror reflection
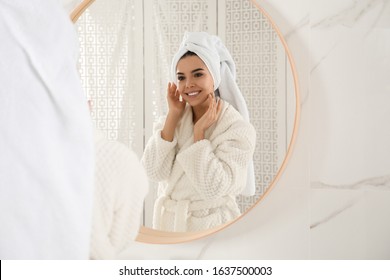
x: 126, y: 52
x: 200, y: 153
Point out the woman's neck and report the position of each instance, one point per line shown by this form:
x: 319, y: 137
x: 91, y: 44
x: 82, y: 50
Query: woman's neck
x: 199, y: 111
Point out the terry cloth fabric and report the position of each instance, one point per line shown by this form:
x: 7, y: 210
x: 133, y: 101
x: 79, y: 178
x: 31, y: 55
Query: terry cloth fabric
x: 46, y: 139
x: 199, y: 182
x: 222, y: 68
x: 120, y: 189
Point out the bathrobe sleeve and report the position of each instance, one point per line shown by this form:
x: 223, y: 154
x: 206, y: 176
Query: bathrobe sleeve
x: 46, y: 144
x: 132, y: 190
x: 120, y: 189
x: 159, y: 155
x: 219, y: 167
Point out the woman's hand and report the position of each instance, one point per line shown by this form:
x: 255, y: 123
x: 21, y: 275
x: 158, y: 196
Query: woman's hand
x: 176, y: 110
x: 176, y: 107
x: 208, y: 119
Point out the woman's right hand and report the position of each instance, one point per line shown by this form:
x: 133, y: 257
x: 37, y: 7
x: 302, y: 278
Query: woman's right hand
x: 176, y: 110
x: 176, y: 106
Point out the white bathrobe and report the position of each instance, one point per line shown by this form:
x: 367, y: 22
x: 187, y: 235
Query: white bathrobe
x: 46, y: 137
x: 199, y: 181
x: 120, y: 189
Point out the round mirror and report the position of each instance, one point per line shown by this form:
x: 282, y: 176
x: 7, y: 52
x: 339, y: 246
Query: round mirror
x: 126, y: 50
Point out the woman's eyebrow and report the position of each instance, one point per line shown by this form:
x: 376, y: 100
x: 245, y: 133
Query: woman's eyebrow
x: 196, y: 70
x: 193, y: 71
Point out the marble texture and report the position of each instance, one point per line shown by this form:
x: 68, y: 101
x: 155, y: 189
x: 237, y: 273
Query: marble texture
x: 350, y: 163
x: 333, y: 199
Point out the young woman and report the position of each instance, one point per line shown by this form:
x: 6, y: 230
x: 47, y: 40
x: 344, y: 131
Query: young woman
x: 200, y: 152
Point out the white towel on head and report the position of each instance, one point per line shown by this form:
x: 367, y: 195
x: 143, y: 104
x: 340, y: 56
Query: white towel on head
x: 222, y: 68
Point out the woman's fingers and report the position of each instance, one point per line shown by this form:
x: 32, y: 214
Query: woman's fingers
x: 219, y: 106
x: 177, y: 93
x: 173, y: 91
x: 213, y: 110
x: 169, y: 89
x: 212, y: 101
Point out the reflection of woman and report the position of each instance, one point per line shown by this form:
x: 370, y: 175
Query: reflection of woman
x: 201, y: 151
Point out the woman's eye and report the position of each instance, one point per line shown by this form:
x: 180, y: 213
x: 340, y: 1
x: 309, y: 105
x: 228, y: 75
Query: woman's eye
x: 197, y: 75
x: 180, y: 78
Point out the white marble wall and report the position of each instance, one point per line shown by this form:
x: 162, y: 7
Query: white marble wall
x: 350, y: 129
x: 333, y: 200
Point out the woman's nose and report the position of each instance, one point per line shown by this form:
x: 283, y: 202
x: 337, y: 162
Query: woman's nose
x: 189, y: 83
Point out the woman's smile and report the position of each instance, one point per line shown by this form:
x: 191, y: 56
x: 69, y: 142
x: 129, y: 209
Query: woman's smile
x: 193, y: 93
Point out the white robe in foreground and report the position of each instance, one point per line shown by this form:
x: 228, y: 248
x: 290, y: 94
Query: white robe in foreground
x: 120, y: 189
x: 46, y: 144
x: 199, y: 181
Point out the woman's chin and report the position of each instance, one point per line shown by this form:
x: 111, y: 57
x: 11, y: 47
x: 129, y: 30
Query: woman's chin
x: 199, y: 101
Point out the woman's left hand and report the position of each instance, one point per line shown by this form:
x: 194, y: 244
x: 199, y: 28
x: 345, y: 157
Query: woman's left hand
x: 208, y: 119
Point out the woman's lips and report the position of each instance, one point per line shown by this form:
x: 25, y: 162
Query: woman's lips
x: 193, y: 93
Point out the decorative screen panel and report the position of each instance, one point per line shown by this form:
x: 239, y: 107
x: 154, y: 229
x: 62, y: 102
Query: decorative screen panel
x: 253, y: 44
x: 107, y: 71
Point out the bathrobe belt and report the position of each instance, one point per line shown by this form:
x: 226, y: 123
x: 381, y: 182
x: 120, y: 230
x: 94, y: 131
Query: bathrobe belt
x: 183, y: 208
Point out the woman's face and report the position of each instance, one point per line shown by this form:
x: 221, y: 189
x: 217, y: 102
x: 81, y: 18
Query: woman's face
x: 194, y: 80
